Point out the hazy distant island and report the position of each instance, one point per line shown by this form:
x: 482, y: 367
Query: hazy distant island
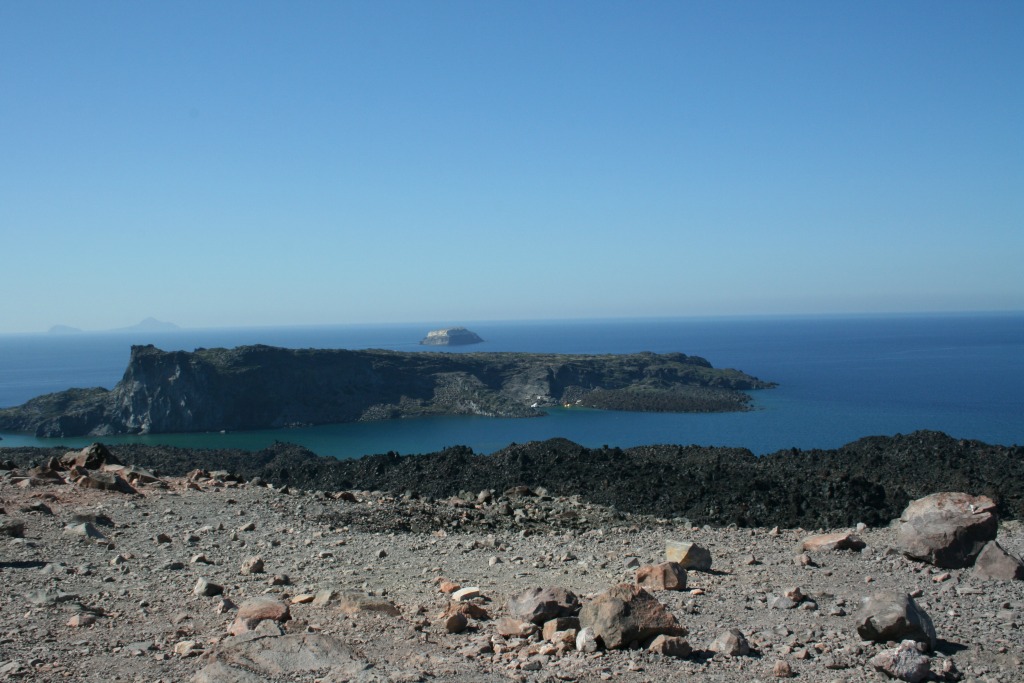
x: 451, y: 336
x: 146, y: 325
x: 258, y: 387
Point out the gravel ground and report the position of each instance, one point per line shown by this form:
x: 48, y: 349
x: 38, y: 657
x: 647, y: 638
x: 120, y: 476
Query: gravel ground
x: 149, y: 625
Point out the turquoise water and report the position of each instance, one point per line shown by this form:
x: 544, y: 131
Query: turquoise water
x: 839, y: 379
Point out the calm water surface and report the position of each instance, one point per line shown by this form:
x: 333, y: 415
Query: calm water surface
x: 840, y: 378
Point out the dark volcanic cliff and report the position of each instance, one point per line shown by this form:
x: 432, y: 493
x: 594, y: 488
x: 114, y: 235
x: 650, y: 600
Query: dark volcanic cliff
x: 254, y: 387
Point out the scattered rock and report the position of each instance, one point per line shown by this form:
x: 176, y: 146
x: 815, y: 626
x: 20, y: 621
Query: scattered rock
x: 253, y: 565
x: 667, y: 576
x: 689, y: 555
x: 731, y: 643
x: 553, y: 626
x: 586, y: 641
x: 539, y: 605
x: 467, y: 593
x: 207, y: 588
x: 782, y: 669
x: 831, y: 542
x: 514, y: 628
x: 905, y: 663
x: 83, y: 619
x: 456, y: 622
x: 670, y: 646
x: 252, y: 612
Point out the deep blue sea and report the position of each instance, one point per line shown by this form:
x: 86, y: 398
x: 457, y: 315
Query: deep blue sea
x: 840, y: 378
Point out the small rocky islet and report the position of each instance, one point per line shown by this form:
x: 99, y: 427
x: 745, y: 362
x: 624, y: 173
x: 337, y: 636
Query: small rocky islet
x: 451, y: 336
x: 113, y: 570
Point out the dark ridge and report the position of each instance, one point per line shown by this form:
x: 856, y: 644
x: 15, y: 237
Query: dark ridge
x: 870, y: 480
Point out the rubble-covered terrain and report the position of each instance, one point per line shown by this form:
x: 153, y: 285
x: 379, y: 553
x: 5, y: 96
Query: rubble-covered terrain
x: 111, y: 573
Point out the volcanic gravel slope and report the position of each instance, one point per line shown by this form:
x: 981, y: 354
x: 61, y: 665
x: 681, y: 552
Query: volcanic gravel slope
x: 136, y: 586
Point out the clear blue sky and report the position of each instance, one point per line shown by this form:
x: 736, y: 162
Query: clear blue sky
x: 264, y: 163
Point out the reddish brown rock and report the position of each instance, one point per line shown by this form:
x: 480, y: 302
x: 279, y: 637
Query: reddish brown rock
x: 456, y: 622
x: 470, y: 609
x: 947, y: 529
x: 514, y: 628
x: 626, y: 613
x: 667, y: 576
x: 830, y: 542
x: 560, y: 624
x: 252, y: 612
x: 670, y: 646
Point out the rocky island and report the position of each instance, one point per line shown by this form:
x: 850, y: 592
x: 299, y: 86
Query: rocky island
x: 257, y: 387
x: 451, y: 336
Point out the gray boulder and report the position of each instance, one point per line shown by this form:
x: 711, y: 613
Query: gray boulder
x: 626, y: 613
x: 947, y: 529
x: 538, y: 605
x: 731, y: 643
x: 890, y: 616
x: 995, y: 563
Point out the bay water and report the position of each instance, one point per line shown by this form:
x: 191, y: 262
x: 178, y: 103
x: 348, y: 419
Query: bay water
x: 840, y: 378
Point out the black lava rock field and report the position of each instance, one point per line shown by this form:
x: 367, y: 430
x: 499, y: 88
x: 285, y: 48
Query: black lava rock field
x: 870, y: 480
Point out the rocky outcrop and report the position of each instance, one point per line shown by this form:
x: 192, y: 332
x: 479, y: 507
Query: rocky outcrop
x: 451, y: 336
x: 256, y: 387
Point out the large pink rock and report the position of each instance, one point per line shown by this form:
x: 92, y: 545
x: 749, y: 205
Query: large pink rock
x: 253, y: 611
x: 947, y: 529
x: 626, y: 613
